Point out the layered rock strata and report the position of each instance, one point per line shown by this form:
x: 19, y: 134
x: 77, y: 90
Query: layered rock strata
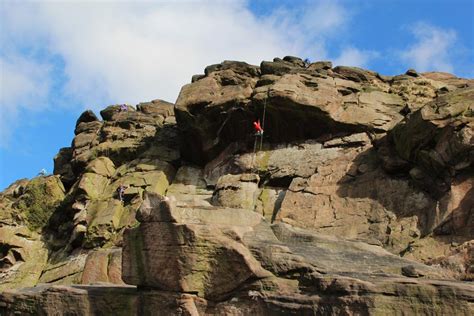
x: 220, y: 261
x: 358, y: 199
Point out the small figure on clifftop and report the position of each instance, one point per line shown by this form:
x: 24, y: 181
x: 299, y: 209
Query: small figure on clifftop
x: 123, y: 108
x: 120, y: 191
x: 42, y: 172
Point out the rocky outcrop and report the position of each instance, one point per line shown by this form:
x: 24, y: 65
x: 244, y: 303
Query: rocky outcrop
x: 193, y: 250
x: 277, y: 268
x: 239, y: 191
x: 438, y: 139
x: 208, y: 261
x: 342, y: 296
x: 31, y: 203
x: 133, y: 148
x: 301, y: 101
x: 392, y: 189
x: 23, y: 257
x: 357, y: 200
x: 78, y: 209
x: 26, y: 207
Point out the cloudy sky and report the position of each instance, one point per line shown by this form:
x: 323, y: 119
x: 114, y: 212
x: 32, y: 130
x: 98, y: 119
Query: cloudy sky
x: 58, y: 58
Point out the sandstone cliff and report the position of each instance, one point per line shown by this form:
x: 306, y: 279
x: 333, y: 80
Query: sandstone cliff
x: 358, y: 199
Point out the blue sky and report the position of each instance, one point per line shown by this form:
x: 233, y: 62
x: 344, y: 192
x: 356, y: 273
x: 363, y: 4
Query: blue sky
x: 59, y: 58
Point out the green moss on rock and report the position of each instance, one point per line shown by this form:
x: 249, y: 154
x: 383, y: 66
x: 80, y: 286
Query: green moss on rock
x: 41, y: 197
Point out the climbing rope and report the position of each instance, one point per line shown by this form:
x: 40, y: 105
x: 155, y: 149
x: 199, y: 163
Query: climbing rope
x: 260, y: 131
x: 254, y: 155
x: 263, y: 120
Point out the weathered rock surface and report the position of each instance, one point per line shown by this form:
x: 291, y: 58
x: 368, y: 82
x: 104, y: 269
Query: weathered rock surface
x: 291, y: 271
x: 31, y: 203
x: 341, y: 296
x: 358, y: 199
x: 189, y: 188
x: 103, y: 266
x: 175, y: 249
x: 438, y: 139
x: 238, y: 191
x: 23, y: 257
x: 192, y: 250
x: 424, y: 187
x: 301, y: 101
x: 59, y: 224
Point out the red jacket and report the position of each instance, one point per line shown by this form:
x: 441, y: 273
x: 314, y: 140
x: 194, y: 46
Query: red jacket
x: 257, y: 127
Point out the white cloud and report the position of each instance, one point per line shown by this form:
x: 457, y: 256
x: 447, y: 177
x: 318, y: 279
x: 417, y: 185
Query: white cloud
x: 324, y: 17
x: 24, y: 85
x: 433, y: 48
x: 351, y: 56
x: 124, y: 52
x: 136, y: 51
x: 308, y: 27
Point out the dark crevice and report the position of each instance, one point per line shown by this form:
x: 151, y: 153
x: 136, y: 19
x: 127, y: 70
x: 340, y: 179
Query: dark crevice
x: 282, y: 182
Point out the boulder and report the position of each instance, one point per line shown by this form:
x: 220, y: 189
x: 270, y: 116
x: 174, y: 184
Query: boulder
x: 157, y: 107
x: 103, y: 266
x: 320, y: 65
x: 183, y: 245
x: 189, y: 188
x: 88, y: 127
x: 65, y: 270
x: 354, y: 73
x: 437, y: 139
x: 236, y: 191
x: 101, y: 166
x: 114, y: 112
x: 86, y: 117
x: 22, y: 257
x: 92, y: 185
x: 411, y: 272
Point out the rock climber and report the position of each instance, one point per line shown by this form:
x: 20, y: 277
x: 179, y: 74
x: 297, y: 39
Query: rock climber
x: 121, y: 190
x: 123, y: 108
x: 258, y: 128
x: 42, y: 172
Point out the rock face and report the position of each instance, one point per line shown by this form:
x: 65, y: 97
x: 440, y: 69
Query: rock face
x: 273, y: 268
x: 358, y: 199
x: 301, y: 101
x: 70, y: 221
x: 26, y: 207
x: 212, y: 260
x: 192, y: 250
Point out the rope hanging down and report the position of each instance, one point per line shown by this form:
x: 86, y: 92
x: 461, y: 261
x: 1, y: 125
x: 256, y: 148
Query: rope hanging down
x: 263, y: 119
x: 259, y: 130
